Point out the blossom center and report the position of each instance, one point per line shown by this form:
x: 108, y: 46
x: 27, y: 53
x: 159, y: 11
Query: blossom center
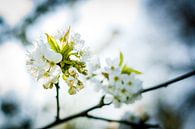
x: 116, y: 78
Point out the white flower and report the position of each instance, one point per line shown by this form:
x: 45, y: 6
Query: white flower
x: 51, y: 77
x: 112, y: 65
x: 95, y: 73
x: 43, y: 52
x: 85, y: 54
x: 124, y: 88
x: 94, y: 66
x: 133, y: 84
x: 80, y: 48
x: 78, y: 42
x: 37, y: 68
x: 41, y: 64
x: 115, y: 78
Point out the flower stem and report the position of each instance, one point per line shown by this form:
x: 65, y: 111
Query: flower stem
x: 57, y: 102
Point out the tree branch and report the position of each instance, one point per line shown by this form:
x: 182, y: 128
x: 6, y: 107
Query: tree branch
x: 165, y: 84
x: 135, y: 125
x: 101, y: 104
x: 85, y: 114
x: 81, y: 114
x: 57, y: 102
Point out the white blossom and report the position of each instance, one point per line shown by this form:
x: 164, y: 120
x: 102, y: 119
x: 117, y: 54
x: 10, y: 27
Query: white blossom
x: 85, y: 54
x: 112, y: 64
x: 125, y: 89
x: 120, y: 87
x: 80, y: 48
x: 94, y: 66
x: 129, y: 80
x: 78, y: 42
x: 51, y: 77
x: 41, y: 64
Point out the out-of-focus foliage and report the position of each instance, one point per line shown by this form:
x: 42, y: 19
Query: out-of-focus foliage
x: 40, y: 9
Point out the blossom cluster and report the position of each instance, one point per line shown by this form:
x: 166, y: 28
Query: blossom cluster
x: 117, y: 81
x: 64, y: 55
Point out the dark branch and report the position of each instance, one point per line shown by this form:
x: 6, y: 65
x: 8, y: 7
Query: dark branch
x: 81, y: 114
x: 165, y: 84
x: 85, y: 114
x: 57, y: 102
x: 135, y: 125
x: 101, y: 104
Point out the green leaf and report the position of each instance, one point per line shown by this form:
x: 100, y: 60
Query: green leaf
x: 121, y: 59
x: 53, y: 43
x: 127, y: 70
x: 66, y: 35
x: 68, y: 62
x: 64, y: 48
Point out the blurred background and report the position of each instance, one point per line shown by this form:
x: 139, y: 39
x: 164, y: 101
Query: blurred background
x: 157, y: 37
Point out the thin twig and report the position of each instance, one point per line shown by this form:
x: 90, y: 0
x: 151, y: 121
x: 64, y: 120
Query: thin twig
x: 165, y: 84
x: 137, y: 126
x: 57, y: 103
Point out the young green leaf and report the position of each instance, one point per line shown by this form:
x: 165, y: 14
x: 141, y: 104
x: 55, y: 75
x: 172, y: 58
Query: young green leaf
x: 65, y: 47
x: 121, y: 59
x: 66, y: 35
x: 127, y: 70
x: 53, y: 43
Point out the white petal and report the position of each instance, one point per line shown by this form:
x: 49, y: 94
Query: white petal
x: 109, y: 61
x: 53, y: 56
x: 55, y: 71
x: 45, y: 81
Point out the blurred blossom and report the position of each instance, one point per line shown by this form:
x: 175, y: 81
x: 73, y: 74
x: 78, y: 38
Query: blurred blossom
x: 13, y: 17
